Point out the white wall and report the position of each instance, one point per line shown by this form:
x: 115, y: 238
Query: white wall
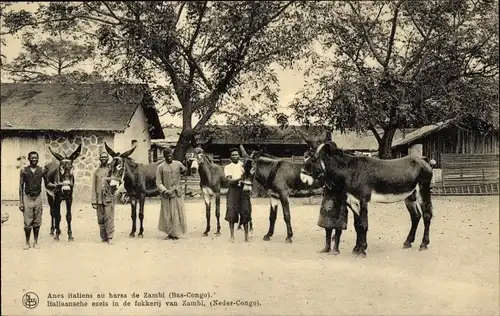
x: 14, y: 148
x: 138, y: 130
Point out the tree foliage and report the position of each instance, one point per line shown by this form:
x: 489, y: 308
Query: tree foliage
x: 394, y: 64
x: 52, y: 60
x: 199, y: 56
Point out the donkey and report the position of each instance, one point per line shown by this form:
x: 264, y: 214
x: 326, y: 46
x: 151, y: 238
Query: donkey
x: 212, y: 180
x: 138, y: 180
x: 368, y: 179
x: 59, y: 183
x: 278, y: 177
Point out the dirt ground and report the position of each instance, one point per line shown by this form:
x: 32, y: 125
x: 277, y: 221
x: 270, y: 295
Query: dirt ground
x: 459, y: 274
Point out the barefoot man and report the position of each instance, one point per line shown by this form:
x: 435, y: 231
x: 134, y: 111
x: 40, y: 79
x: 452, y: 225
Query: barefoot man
x: 30, y: 198
x: 172, y: 219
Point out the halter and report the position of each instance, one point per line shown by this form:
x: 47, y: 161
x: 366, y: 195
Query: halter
x: 122, y: 178
x: 65, y: 184
x: 253, y: 171
x: 328, y: 184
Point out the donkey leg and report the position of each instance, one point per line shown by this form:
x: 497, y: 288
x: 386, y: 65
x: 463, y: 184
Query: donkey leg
x: 208, y: 205
x: 273, y: 214
x: 413, y: 209
x: 286, y: 216
x: 69, y: 202
x: 142, y: 200
x: 328, y: 240
x: 245, y: 227
x: 217, y: 212
x: 425, y: 193
x: 57, y: 220
x: 363, y: 213
x: 133, y: 204
x: 50, y: 200
x: 359, y: 231
x: 338, y: 233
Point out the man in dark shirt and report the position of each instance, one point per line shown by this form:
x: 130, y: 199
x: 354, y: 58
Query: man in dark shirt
x: 30, y: 198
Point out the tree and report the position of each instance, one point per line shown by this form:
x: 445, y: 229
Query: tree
x: 394, y: 64
x: 208, y: 53
x: 52, y: 60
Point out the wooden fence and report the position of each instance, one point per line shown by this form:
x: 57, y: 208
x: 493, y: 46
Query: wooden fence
x: 469, y: 174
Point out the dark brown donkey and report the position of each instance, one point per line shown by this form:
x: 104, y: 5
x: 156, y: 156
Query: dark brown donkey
x: 59, y: 182
x: 138, y: 180
x: 367, y: 179
x: 279, y: 177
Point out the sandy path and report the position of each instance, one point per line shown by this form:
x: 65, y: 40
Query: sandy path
x: 459, y: 274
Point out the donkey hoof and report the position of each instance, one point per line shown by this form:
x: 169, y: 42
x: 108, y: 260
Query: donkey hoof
x: 56, y: 238
x: 406, y: 245
x: 335, y: 252
x: 140, y: 235
x: 267, y: 238
x: 217, y: 233
x: 205, y: 234
x: 423, y: 247
x: 71, y: 239
x: 288, y: 240
x: 324, y: 250
x: 51, y: 234
x: 239, y: 228
x: 131, y: 235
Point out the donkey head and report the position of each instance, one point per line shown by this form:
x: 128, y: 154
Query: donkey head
x: 117, y: 167
x: 313, y: 168
x: 249, y: 168
x: 66, y: 178
x: 198, y: 156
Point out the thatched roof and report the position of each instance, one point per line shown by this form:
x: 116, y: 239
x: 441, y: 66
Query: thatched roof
x: 66, y: 107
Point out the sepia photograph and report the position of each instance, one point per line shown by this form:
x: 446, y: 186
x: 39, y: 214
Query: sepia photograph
x: 291, y: 157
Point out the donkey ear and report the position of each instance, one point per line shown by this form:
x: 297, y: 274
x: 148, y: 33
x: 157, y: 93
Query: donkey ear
x: 328, y: 136
x: 109, y: 150
x: 76, y: 153
x: 311, y: 143
x: 243, y: 152
x: 128, y: 152
x: 58, y: 156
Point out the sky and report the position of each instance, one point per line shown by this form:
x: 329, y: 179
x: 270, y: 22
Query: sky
x: 291, y: 80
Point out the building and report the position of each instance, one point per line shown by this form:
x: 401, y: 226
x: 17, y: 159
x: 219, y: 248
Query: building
x: 283, y: 143
x: 466, y: 155
x: 62, y: 116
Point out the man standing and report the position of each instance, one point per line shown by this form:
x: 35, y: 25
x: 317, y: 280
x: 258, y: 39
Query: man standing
x: 30, y: 198
x: 238, y: 202
x: 172, y: 219
x: 103, y: 200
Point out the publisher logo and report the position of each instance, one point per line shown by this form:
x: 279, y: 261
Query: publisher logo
x: 30, y: 300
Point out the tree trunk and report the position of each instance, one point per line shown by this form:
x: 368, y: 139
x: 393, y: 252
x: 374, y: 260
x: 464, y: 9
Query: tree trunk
x: 385, y: 144
x: 183, y: 144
